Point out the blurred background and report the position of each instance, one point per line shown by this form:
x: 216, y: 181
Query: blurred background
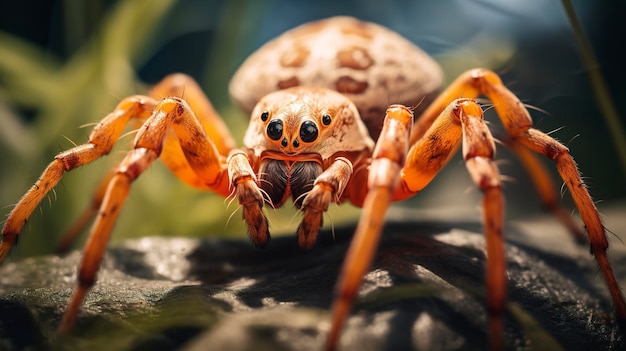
x: 66, y: 63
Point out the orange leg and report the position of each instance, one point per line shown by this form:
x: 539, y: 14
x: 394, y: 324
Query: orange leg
x: 178, y: 159
x: 544, y: 144
x: 478, y: 152
x: 518, y: 124
x: 469, y: 85
x: 462, y: 121
x: 384, y: 175
x: 171, y: 130
x: 68, y: 238
x: 131, y: 167
x: 249, y: 196
x: 101, y: 140
x: 201, y: 154
x: 327, y: 188
x: 172, y: 155
x: 186, y: 88
x: 546, y: 189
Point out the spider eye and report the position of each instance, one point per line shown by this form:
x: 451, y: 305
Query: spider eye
x: 275, y: 129
x: 326, y: 119
x: 308, y: 131
x: 264, y: 116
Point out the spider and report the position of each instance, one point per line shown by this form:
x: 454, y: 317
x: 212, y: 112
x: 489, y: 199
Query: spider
x: 321, y: 132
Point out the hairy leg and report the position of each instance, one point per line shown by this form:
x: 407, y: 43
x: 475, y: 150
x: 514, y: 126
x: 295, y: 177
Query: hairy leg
x: 384, y: 175
x: 172, y: 155
x: 100, y: 143
x: 516, y: 120
x: 171, y: 114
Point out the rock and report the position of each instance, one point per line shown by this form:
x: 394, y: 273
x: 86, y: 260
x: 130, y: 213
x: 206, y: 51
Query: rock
x: 424, y: 292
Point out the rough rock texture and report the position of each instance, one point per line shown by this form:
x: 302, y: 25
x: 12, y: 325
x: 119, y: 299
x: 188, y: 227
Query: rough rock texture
x: 424, y: 292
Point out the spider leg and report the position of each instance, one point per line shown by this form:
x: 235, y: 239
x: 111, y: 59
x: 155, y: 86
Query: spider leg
x: 478, y: 152
x: 201, y: 154
x: 249, y: 195
x: 176, y: 158
x: 516, y: 120
x: 462, y: 120
x: 384, y: 174
x: 70, y: 235
x: 566, y: 166
x: 136, y: 161
x: 471, y: 84
x: 178, y: 85
x: 187, y: 88
x: 327, y: 188
x: 518, y: 124
x: 100, y: 143
x: 546, y: 188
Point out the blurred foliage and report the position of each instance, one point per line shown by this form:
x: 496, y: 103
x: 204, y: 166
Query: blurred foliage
x: 600, y: 89
x: 93, y: 53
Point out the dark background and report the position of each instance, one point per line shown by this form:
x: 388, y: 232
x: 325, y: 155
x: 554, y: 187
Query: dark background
x: 66, y: 63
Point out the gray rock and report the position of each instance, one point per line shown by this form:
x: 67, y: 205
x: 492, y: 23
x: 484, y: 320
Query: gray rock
x: 425, y: 291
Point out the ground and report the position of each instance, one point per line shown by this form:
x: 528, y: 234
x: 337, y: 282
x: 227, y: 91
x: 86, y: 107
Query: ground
x: 424, y: 292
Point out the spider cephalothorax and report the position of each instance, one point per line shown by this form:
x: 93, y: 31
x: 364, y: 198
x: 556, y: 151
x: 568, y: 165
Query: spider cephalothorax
x: 296, y: 133
x: 318, y: 146
x: 301, y: 142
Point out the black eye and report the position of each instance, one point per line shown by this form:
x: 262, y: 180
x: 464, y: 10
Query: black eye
x: 308, y: 132
x: 326, y: 119
x: 275, y: 129
x: 264, y: 116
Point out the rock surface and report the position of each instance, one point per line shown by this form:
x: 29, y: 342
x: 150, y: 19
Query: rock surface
x: 424, y: 292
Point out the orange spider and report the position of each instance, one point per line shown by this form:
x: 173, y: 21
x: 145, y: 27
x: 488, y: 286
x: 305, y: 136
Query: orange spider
x: 308, y: 142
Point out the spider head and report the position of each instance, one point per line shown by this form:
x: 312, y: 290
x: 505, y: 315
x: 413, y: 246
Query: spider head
x: 304, y: 120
